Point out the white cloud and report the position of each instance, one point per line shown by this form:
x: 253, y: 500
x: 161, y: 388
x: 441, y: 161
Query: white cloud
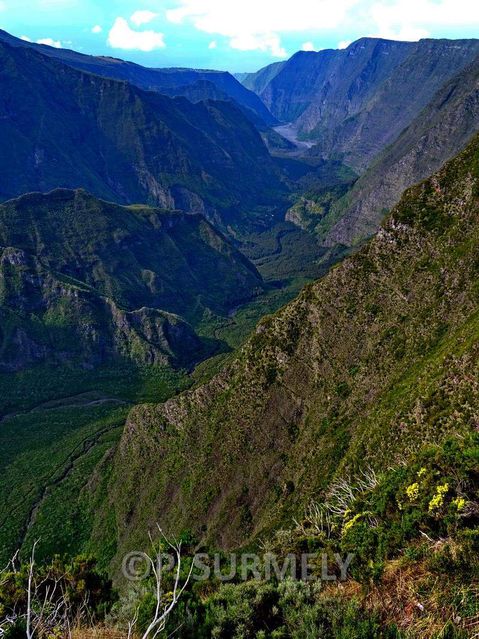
x: 122, y: 36
x: 407, y: 33
x: 260, y: 24
x: 142, y: 17
x: 416, y: 19
x: 216, y: 16
x: 264, y: 42
x: 308, y: 46
x: 213, y: 45
x: 50, y: 42
x: 97, y: 29
x: 252, y: 25
x: 426, y: 13
x: 344, y: 44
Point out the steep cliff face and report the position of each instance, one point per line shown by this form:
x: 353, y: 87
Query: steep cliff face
x: 171, y: 82
x: 354, y: 102
x: 368, y: 364
x: 82, y: 279
x: 441, y: 130
x: 74, y: 129
x: 338, y: 81
x: 45, y: 317
x: 259, y: 80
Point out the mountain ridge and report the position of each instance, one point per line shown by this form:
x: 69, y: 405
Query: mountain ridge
x: 90, y: 281
x: 353, y: 102
x: 167, y: 81
x: 128, y: 145
x: 439, y: 132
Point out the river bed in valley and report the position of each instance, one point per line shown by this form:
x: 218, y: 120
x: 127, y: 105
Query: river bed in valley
x: 290, y: 132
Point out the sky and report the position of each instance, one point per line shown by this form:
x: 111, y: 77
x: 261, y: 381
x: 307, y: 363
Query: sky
x: 234, y: 35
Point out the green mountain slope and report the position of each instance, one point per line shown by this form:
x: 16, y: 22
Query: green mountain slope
x: 58, y: 423
x: 64, y: 128
x: 375, y: 360
x: 86, y: 280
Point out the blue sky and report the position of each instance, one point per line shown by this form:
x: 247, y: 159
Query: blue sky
x: 238, y: 35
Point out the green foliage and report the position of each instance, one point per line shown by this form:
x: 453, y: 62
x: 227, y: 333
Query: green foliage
x: 376, y: 364
x: 421, y: 499
x: 313, y: 207
x: 235, y: 329
x: 101, y: 289
x: 386, y: 520
x: 371, y: 371
x: 285, y: 252
x: 286, y: 610
x: 68, y: 585
x: 59, y: 428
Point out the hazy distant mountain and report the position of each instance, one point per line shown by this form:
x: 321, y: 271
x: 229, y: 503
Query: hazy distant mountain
x: 441, y: 130
x: 354, y: 102
x: 259, y: 80
x: 173, y: 82
x: 61, y: 127
x: 87, y: 281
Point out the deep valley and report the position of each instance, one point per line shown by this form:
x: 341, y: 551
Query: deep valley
x: 240, y: 315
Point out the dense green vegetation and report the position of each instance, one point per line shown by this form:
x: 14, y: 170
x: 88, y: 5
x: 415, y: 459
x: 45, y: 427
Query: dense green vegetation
x: 138, y: 256
x: 413, y: 535
x: 57, y: 428
x: 49, y: 598
x: 153, y: 368
x: 413, y: 532
x: 88, y: 281
x: 70, y: 262
x: 368, y: 365
x: 236, y: 328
